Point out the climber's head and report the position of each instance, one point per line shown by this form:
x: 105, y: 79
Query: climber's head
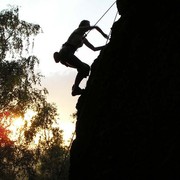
x: 84, y: 23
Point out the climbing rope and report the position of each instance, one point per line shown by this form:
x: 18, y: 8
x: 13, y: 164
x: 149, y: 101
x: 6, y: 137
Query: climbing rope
x: 111, y: 29
x: 104, y: 13
x: 102, y: 17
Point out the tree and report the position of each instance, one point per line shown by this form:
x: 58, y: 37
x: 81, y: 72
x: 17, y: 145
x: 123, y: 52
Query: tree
x: 20, y: 90
x: 17, y: 75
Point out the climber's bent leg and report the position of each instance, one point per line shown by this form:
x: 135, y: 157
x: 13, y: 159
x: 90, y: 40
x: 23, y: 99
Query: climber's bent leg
x: 83, y: 72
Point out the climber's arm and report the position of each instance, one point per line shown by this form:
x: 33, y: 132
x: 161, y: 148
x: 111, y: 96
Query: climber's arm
x: 89, y: 45
x: 89, y: 28
x: 99, y: 30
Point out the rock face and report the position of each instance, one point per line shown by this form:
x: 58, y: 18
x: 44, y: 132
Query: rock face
x: 128, y: 119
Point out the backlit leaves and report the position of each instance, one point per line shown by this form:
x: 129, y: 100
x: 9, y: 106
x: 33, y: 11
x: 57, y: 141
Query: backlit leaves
x: 20, y: 91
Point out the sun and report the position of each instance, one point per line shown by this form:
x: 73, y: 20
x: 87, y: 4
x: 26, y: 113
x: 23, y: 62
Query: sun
x: 18, y: 123
x: 17, y: 126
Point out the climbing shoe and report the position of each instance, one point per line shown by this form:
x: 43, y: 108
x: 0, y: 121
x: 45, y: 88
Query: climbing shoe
x: 76, y: 91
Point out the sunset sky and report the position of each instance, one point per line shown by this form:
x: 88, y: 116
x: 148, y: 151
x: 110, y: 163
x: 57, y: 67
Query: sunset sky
x: 58, y: 18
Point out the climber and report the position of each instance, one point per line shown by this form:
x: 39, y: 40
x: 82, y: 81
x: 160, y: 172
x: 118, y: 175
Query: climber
x: 66, y: 54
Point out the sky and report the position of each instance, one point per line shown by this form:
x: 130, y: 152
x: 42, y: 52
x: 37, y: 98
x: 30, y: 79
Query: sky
x: 58, y: 18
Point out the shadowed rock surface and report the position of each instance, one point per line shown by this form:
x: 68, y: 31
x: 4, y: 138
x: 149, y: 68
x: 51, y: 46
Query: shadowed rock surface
x: 128, y: 119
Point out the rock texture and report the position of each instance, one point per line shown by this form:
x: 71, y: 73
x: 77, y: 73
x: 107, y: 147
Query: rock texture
x: 128, y: 119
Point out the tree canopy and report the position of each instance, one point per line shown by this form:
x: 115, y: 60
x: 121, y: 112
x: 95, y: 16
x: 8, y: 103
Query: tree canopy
x: 20, y: 91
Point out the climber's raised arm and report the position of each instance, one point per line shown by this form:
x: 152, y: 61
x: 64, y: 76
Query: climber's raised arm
x: 89, y: 28
x: 100, y: 30
x: 89, y: 45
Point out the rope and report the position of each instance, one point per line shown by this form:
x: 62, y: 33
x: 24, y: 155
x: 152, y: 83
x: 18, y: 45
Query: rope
x: 105, y: 13
x: 111, y: 29
x: 101, y: 17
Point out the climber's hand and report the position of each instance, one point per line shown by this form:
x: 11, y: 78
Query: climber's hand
x: 106, y: 36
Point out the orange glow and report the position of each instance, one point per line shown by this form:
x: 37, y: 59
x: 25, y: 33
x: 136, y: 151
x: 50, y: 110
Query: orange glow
x: 4, y: 139
x: 4, y: 132
x: 17, y: 124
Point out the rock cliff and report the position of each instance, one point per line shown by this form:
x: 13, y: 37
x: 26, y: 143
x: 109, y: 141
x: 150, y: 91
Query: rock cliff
x: 128, y: 119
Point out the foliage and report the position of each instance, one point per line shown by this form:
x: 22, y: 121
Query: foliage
x: 17, y: 75
x: 4, y: 139
x: 20, y: 90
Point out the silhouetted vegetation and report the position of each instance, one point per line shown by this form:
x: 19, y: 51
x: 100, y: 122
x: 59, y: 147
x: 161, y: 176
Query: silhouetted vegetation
x: 38, y: 152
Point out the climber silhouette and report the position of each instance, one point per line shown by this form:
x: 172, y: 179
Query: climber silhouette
x: 66, y: 54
